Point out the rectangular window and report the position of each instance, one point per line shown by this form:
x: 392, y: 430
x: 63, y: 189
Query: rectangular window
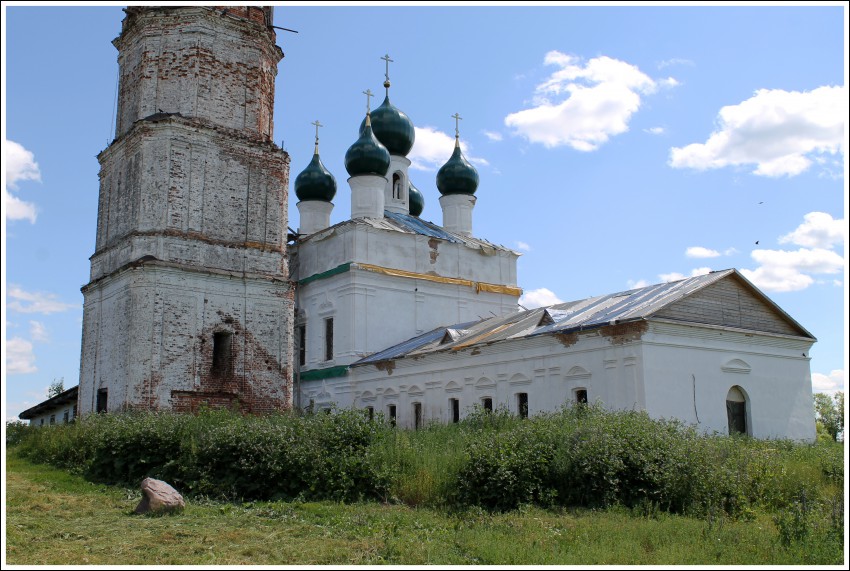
x: 487, y: 403
x: 42, y: 422
x: 417, y: 415
x: 101, y: 400
x: 74, y: 413
x: 391, y: 413
x: 370, y: 410
x: 454, y: 404
x: 329, y: 338
x: 65, y: 417
x: 302, y: 345
x: 52, y: 419
x: 581, y: 396
x: 522, y: 404
x: 221, y: 365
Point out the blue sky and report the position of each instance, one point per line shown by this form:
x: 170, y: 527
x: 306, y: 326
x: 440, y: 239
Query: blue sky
x: 616, y: 147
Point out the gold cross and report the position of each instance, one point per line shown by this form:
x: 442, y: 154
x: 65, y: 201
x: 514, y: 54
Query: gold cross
x: 457, y: 118
x: 368, y: 93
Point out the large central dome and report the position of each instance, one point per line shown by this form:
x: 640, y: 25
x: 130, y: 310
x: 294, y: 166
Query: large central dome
x: 393, y: 128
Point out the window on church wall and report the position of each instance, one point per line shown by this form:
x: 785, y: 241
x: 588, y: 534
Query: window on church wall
x: 417, y: 415
x: 42, y: 422
x: 370, y: 412
x: 522, y: 404
x: 52, y: 419
x: 329, y: 338
x: 397, y: 195
x: 736, y: 411
x: 100, y: 404
x: 454, y: 406
x: 301, y: 335
x: 581, y: 396
x: 65, y: 417
x: 391, y: 414
x: 487, y: 403
x: 222, y: 352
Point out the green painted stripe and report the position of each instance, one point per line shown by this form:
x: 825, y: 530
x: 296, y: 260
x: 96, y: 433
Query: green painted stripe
x: 329, y: 373
x: 332, y: 272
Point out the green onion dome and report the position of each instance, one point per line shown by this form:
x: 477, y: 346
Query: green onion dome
x: 393, y: 128
x: 315, y: 182
x: 457, y: 176
x: 415, y: 200
x: 367, y: 155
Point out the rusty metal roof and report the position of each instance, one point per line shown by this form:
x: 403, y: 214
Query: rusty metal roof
x: 590, y: 313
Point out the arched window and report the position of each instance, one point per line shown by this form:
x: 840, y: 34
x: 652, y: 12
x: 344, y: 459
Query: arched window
x: 736, y: 411
x: 397, y: 186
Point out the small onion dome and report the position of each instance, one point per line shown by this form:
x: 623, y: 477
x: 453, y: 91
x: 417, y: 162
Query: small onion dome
x: 393, y: 128
x: 367, y: 155
x: 416, y: 200
x: 315, y: 182
x: 457, y: 176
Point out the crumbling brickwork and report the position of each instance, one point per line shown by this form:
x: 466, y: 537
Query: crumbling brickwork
x: 192, y: 216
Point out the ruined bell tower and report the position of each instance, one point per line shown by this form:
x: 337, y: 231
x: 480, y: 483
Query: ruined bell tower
x: 189, y: 301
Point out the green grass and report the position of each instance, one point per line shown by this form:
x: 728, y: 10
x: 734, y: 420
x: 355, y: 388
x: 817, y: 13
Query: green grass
x: 56, y: 518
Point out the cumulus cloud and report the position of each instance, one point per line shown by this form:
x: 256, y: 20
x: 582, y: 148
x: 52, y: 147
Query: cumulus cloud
x: 637, y: 284
x: 540, y: 297
x: 581, y: 105
x: 38, y: 332
x: 432, y: 148
x: 780, y: 132
x: 523, y: 246
x: 654, y: 130
x: 819, y: 230
x: 830, y: 384
x: 493, y: 136
x: 19, y: 356
x: 20, y: 165
x: 700, y: 252
x: 676, y: 276
x: 35, y: 302
x: 783, y: 270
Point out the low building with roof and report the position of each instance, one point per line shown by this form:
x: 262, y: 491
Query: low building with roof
x: 58, y: 409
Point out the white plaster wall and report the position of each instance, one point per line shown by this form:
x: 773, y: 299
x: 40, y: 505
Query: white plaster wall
x: 59, y: 415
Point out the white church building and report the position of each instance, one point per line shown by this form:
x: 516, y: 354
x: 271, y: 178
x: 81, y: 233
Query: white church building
x: 421, y: 322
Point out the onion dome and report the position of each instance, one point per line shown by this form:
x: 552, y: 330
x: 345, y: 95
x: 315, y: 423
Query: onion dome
x: 416, y: 200
x: 367, y: 155
x: 393, y: 128
x: 457, y: 176
x: 315, y: 182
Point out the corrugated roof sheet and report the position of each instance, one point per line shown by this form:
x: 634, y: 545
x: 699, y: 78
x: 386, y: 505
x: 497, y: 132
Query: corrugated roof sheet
x: 567, y: 317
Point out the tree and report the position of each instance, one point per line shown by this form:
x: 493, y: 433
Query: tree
x: 56, y: 388
x: 830, y: 413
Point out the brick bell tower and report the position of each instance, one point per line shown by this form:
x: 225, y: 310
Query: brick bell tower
x: 189, y: 301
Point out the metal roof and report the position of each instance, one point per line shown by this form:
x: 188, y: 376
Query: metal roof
x: 593, y: 312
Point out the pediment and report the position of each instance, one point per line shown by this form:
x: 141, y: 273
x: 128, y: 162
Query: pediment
x: 736, y: 366
x: 577, y: 372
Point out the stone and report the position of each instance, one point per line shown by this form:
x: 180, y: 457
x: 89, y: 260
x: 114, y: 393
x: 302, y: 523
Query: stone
x: 159, y: 497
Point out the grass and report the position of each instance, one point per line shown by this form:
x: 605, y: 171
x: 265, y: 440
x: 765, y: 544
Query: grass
x: 55, y: 518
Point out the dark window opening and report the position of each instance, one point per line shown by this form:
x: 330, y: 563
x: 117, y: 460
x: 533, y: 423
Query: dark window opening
x: 52, y: 419
x: 302, y: 345
x: 329, y: 339
x: 370, y: 410
x: 221, y: 365
x: 581, y: 396
x: 65, y: 417
x: 522, y: 404
x: 455, y: 405
x: 42, y: 422
x: 74, y: 413
x: 100, y: 406
x: 391, y: 413
x: 417, y: 415
x: 487, y: 403
x: 736, y: 413
x: 396, y: 186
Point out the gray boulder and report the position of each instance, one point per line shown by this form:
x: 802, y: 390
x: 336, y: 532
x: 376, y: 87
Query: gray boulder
x: 158, y: 496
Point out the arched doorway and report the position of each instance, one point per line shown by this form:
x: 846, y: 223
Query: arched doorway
x: 736, y: 411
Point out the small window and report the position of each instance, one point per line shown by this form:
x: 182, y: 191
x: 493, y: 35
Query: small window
x: 74, y: 412
x: 736, y: 411
x: 65, y: 417
x: 302, y: 345
x: 100, y: 406
x: 52, y: 419
x: 329, y: 338
x: 487, y: 403
x: 42, y: 422
x: 370, y: 411
x: 522, y: 404
x: 454, y: 405
x: 581, y: 396
x: 396, y: 186
x: 221, y: 365
x: 417, y: 415
x: 391, y: 413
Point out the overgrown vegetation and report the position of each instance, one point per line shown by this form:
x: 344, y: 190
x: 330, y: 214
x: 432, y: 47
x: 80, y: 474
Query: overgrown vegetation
x: 581, y: 457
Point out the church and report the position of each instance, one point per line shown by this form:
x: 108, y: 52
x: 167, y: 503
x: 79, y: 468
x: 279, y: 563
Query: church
x: 198, y: 295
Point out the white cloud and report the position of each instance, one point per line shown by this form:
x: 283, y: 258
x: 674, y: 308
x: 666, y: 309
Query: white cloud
x: 433, y: 148
x: 637, y: 284
x: 830, y: 384
x: 730, y: 252
x: 541, y: 297
x: 523, y: 246
x: 20, y: 165
x: 819, y: 230
x: 700, y: 252
x: 674, y: 61
x: 35, y: 302
x: 38, y: 332
x: 781, y: 132
x: 676, y: 276
x: 19, y: 356
x: 493, y: 136
x: 654, y: 130
x: 582, y: 105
